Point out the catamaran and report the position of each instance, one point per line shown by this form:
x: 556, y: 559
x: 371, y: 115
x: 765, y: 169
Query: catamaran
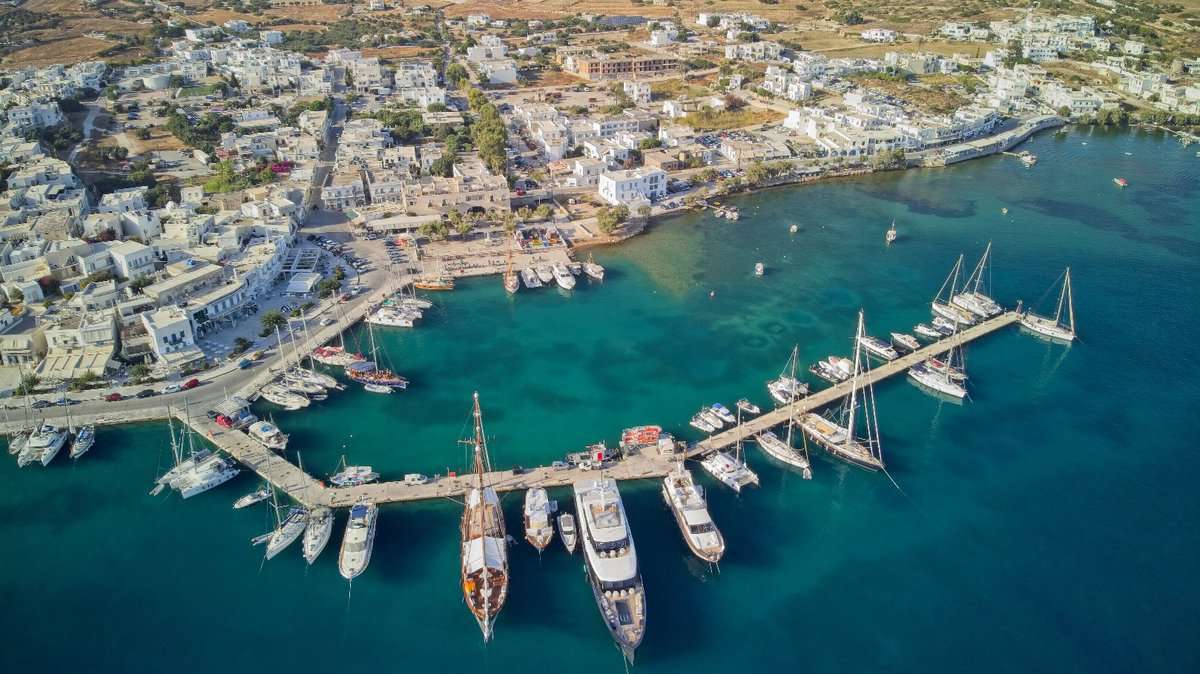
x: 484, y: 578
x: 686, y: 500
x: 567, y: 532
x: 563, y: 277
x: 317, y: 533
x: 974, y: 297
x: 611, y: 562
x: 838, y: 437
x: 944, y: 307
x: 1054, y: 328
x: 530, y: 277
x: 539, y: 528
x: 358, y: 540
x: 786, y: 388
x: 43, y: 445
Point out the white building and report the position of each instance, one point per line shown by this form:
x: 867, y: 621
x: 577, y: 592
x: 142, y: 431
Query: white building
x: 34, y: 116
x: 632, y: 188
x: 879, y: 35
x: 132, y: 259
x: 753, y: 51
x: 172, y: 338
x: 499, y: 71
x: 638, y: 92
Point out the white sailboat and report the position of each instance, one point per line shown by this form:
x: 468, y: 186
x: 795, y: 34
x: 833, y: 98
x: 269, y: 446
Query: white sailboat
x: 85, y: 437
x: 942, y: 377
x: 1054, y: 328
x: 839, y: 437
x: 780, y: 450
x: 974, y: 297
x: 288, y: 530
x: 786, y: 388
x: 317, y: 533
x: 944, y: 307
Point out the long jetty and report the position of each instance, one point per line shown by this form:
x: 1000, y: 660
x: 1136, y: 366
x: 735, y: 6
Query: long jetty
x: 643, y: 464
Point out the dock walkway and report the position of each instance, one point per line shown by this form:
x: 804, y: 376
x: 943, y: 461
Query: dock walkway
x: 648, y: 463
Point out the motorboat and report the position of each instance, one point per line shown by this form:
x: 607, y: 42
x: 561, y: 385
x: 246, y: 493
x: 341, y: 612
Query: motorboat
x: 257, y: 496
x: 783, y: 452
x: 952, y: 313
x: 353, y: 476
x: 905, y: 342
x: 213, y: 473
x: 611, y: 562
x: 748, y: 407
x: 944, y: 326
x: 787, y: 389
x: 377, y: 388
x: 268, y: 435
x: 699, y: 423
x: 544, y: 274
x: 567, y: 532
x: 687, y: 502
x: 593, y: 269
x: 878, y: 348
x: 85, y: 437
x: 723, y: 413
x: 539, y: 527
x: 759, y: 269
x: 287, y: 532
x: 927, y: 331
x: 358, y: 540
x: 530, y: 277
x: 317, y: 533
x: 563, y: 277
x: 712, y: 418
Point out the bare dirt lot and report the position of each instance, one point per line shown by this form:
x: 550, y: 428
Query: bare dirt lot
x: 317, y: 14
x: 70, y: 50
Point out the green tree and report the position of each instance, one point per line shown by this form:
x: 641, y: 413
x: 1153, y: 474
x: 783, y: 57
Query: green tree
x: 241, y: 345
x: 139, y: 372
x: 28, y: 383
x: 442, y: 166
x: 610, y: 218
x: 543, y: 212
x: 16, y: 295
x: 84, y: 381
x: 271, y: 320
x: 457, y: 75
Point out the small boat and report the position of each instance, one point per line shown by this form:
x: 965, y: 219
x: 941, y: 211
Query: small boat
x: 1027, y: 158
x: 723, y: 412
x: 712, y: 418
x: 539, y: 527
x: 823, y: 370
x: 84, y: 439
x: 927, y: 331
x: 567, y: 532
x: 945, y: 327
x: 783, y: 452
x: 1120, y: 182
x: 905, y: 342
x: 530, y: 277
x: 786, y: 388
x: 563, y: 277
x: 434, y: 283
x: 544, y: 274
x: 575, y: 268
x: 353, y: 476
x: 1004, y: 211
x: 890, y: 236
x: 686, y: 500
x: 377, y: 388
x: 759, y: 269
x: 287, y: 532
x: 316, y: 535
x: 878, y: 348
x: 593, y: 269
x: 253, y: 497
x: 748, y: 407
x: 699, y: 423
x: 936, y: 381
x: 511, y: 283
x: 358, y: 540
x: 794, y: 228
x: 268, y: 435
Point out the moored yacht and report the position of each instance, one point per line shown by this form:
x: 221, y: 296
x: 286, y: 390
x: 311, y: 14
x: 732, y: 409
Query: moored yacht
x: 358, y: 540
x: 729, y: 470
x: 563, y: 277
x: 784, y: 452
x: 84, y: 439
x: 539, y: 528
x: 723, y: 412
x: 905, y: 342
x: 593, y: 269
x: 268, y: 435
x: 937, y: 381
x: 257, y: 496
x: 317, y: 533
x: 544, y: 274
x: 281, y: 396
x: 748, y: 407
x: 878, y: 348
x: 213, y: 472
x: 484, y: 572
x: 44, y: 443
x: 611, y: 562
x: 686, y: 500
x: 353, y: 476
x: 530, y: 277
x: 1054, y: 328
x: 712, y: 418
x: 567, y: 532
x: 287, y: 532
x: 927, y: 331
x: 786, y: 388
x: 699, y: 423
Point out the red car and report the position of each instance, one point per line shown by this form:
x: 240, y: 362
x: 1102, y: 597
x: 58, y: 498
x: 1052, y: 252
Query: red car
x: 191, y: 384
x: 114, y: 397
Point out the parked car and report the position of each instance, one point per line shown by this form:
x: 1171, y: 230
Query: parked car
x: 66, y: 402
x: 146, y: 393
x: 41, y: 404
x: 244, y: 364
x: 114, y: 397
x: 191, y: 384
x: 173, y: 387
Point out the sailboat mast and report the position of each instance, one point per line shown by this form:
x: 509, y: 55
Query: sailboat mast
x: 977, y: 275
x: 853, y: 407
x: 1070, y: 299
x: 792, y: 388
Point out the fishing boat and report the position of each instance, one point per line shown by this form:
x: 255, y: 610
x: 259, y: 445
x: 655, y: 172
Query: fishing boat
x: 686, y: 500
x: 317, y: 533
x: 879, y: 348
x: 567, y: 532
x: 563, y: 277
x: 369, y: 372
x: 838, y: 436
x: 268, y: 435
x: 539, y: 528
x: 1053, y: 327
x: 927, y: 331
x: 890, y: 235
x: 974, y: 297
x: 941, y: 303
x: 723, y: 412
x: 257, y: 496
x: 786, y: 388
x: 782, y: 451
x: 1120, y: 182
x: 512, y: 283
x: 759, y: 269
x: 748, y: 407
x: 287, y: 532
x: 84, y: 439
x: 699, y: 423
x: 530, y: 277
x: 484, y: 577
x: 611, y: 562
x: 434, y: 283
x: 358, y: 540
x: 544, y: 274
x: 43, y: 445
x: 593, y: 269
x: 905, y: 342
x: 936, y: 381
x: 353, y: 476
x: 377, y: 388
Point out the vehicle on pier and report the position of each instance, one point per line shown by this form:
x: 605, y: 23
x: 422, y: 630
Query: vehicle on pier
x: 686, y: 500
x: 539, y: 527
x: 358, y: 540
x: 610, y: 559
x: 1054, y: 328
x: 484, y: 572
x: 838, y: 435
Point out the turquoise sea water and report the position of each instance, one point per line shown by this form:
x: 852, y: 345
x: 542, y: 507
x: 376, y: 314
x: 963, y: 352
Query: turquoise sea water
x: 1049, y: 524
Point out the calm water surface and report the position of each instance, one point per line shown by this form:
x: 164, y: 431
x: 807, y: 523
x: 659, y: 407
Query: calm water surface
x: 1049, y: 524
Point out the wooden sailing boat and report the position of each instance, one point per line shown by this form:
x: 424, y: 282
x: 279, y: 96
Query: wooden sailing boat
x: 437, y: 282
x: 484, y: 577
x: 839, y: 437
x: 369, y: 372
x: 1054, y: 328
x: 946, y: 307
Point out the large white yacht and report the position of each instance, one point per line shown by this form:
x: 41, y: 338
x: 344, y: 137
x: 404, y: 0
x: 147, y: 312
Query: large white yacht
x: 563, y: 277
x: 686, y: 499
x: 268, y: 435
x: 611, y: 561
x: 358, y: 540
